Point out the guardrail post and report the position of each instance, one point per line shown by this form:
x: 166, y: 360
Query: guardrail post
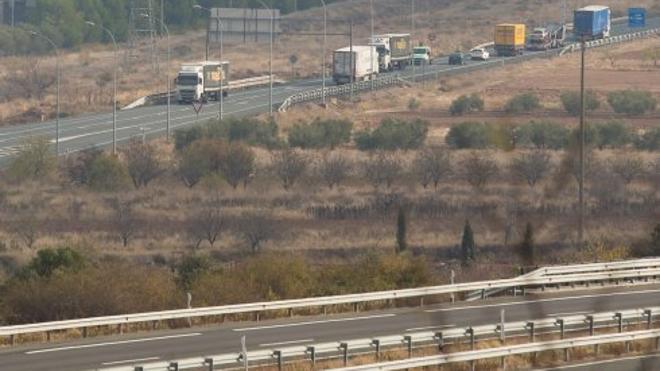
x: 138, y: 368
x: 409, y: 343
x: 619, y: 318
x: 291, y: 312
x: 356, y: 309
x: 278, y: 355
x: 48, y: 335
x: 257, y: 316
x: 657, y: 343
x: 560, y: 322
x: 174, y: 366
x: 441, y: 341
x: 12, y: 340
x: 503, y: 363
x: 376, y: 343
x: 344, y: 348
x: 502, y: 330
x: 209, y: 362
x: 470, y: 332
x: 312, y: 354
x: 452, y: 278
x: 649, y: 318
x: 325, y: 310
x: 84, y: 332
x: 120, y: 328
x: 483, y: 294
x: 421, y: 302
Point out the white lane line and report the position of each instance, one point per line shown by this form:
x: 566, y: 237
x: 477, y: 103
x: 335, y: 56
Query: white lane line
x: 86, y: 346
x: 428, y: 328
x: 287, y: 342
x: 569, y: 313
x: 313, y: 322
x: 512, y: 303
x: 130, y: 361
x: 613, y: 360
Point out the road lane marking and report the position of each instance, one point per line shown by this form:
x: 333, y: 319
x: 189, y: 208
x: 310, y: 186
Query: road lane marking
x: 130, y: 361
x: 86, y: 346
x: 287, y: 342
x: 512, y: 303
x: 268, y: 327
x: 564, y: 314
x: 428, y: 328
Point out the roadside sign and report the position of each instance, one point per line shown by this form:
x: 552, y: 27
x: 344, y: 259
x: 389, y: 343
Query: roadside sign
x: 636, y: 17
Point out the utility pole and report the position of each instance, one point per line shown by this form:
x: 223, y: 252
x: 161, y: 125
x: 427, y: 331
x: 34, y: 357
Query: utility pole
x: 582, y: 142
x: 13, y: 14
x: 350, y: 33
x: 59, y: 73
x: 371, y: 9
x: 270, y: 63
x: 323, y: 64
x: 412, y: 37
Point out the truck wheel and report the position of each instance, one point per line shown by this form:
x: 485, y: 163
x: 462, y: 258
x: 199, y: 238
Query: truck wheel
x: 225, y: 93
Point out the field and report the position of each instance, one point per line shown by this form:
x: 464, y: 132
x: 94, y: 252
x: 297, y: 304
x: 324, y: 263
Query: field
x: 252, y: 219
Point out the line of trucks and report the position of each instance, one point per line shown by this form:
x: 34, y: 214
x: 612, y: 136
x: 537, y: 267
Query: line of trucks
x: 202, y: 81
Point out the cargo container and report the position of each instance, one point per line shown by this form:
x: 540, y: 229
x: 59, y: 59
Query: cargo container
x: 394, y: 50
x: 197, y: 82
x: 592, y: 22
x: 509, y: 39
x: 363, y: 66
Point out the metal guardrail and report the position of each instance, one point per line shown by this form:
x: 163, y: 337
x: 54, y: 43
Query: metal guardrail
x: 500, y: 352
x: 650, y: 270
x: 314, y: 352
x: 390, y: 80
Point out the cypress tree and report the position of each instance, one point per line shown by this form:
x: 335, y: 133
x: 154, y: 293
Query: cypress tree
x: 527, y: 247
x: 655, y: 240
x: 467, y: 244
x: 401, y: 226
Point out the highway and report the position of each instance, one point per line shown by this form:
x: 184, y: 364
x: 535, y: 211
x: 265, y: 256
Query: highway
x: 634, y: 363
x: 85, y: 131
x: 199, y: 341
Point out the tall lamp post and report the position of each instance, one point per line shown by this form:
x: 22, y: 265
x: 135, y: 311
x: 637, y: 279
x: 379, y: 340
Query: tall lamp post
x: 270, y: 63
x: 325, y: 37
x: 57, y: 114
x: 412, y: 37
x: 164, y: 27
x: 583, y: 50
x: 219, y: 27
x: 114, y: 86
x: 371, y: 11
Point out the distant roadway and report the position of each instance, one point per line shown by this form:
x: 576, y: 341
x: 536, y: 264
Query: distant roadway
x: 91, y: 130
x: 166, y: 345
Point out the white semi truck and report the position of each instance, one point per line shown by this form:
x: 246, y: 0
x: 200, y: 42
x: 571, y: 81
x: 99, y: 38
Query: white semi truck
x: 363, y: 66
x: 394, y: 50
x: 201, y: 81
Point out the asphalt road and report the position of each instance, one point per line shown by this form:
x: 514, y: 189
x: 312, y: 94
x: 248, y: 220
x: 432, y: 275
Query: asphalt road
x: 87, y: 131
x: 200, y: 341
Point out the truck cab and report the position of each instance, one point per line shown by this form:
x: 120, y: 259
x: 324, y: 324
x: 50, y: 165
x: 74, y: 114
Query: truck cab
x: 394, y: 51
x: 422, y: 55
x: 201, y: 81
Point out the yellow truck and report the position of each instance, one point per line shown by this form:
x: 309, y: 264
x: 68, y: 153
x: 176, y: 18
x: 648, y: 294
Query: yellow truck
x: 509, y: 39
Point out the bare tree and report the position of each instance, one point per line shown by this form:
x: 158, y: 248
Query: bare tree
x: 142, y: 162
x: 289, y: 165
x: 239, y: 165
x: 571, y: 164
x: 256, y: 228
x: 627, y: 167
x: 478, y: 169
x: 124, y: 220
x: 532, y: 167
x: 334, y: 169
x: 102, y: 81
x: 207, y: 224
x: 432, y: 165
x: 27, y: 227
x: 382, y: 168
x: 30, y: 80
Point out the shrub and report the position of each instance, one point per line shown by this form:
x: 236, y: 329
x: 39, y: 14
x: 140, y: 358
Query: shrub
x: 591, y: 137
x: 526, y: 102
x: 289, y: 165
x: 531, y: 167
x: 432, y: 165
x: 543, y: 135
x: 238, y: 165
x: 612, y: 134
x: 393, y: 134
x: 320, y: 134
x: 194, y: 164
x: 107, y: 174
x: 383, y: 168
x: 247, y: 129
x: 49, y: 261
x: 466, y: 104
x: 190, y: 268
x: 468, y: 135
x: 571, y: 101
x: 632, y: 102
x: 478, y: 169
x: 333, y: 170
x: 142, y: 162
x: 649, y: 140
x: 79, y: 166
x: 34, y: 161
x: 184, y: 137
x: 414, y: 104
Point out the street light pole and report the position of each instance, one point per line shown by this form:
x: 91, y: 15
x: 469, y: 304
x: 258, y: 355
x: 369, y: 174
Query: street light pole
x: 323, y: 65
x: 114, y: 87
x: 371, y: 9
x: 270, y: 63
x: 582, y: 144
x: 412, y: 38
x: 57, y: 104
x: 219, y: 27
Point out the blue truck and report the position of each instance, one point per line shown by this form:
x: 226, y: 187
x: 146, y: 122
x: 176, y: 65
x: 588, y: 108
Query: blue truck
x: 592, y: 22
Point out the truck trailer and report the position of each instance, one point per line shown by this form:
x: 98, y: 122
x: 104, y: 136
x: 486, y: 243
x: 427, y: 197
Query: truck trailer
x: 359, y: 66
x: 592, y: 22
x: 509, y: 39
x: 549, y: 37
x: 201, y: 81
x: 394, y: 50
